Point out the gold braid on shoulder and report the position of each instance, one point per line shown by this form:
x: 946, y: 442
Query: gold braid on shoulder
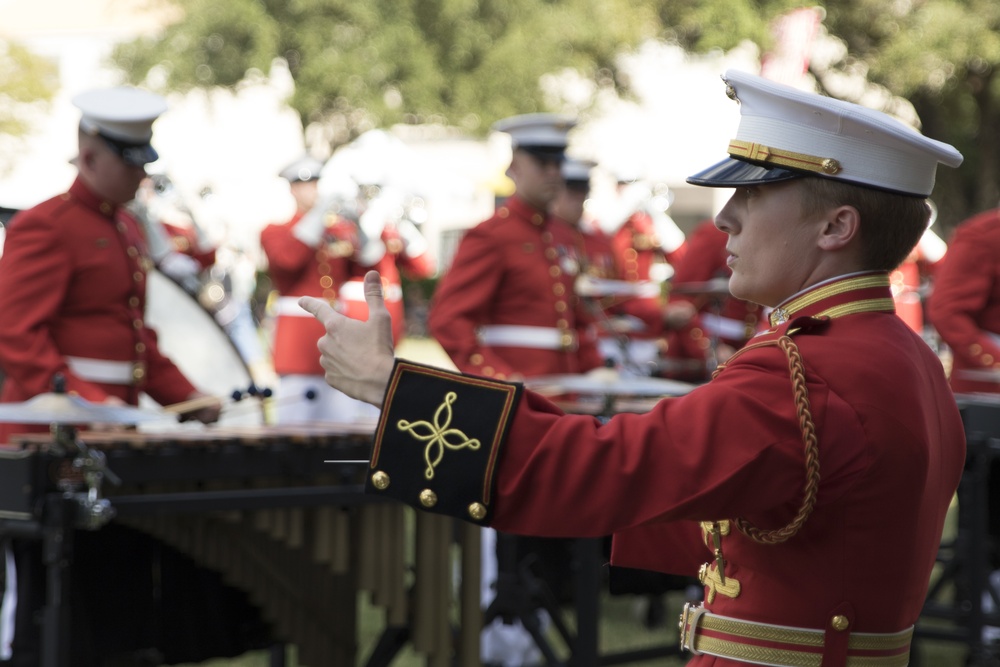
x: 808, y: 428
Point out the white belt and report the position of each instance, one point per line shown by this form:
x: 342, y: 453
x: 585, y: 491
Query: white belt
x: 354, y: 290
x: 105, y: 370
x: 540, y: 338
x: 723, y: 327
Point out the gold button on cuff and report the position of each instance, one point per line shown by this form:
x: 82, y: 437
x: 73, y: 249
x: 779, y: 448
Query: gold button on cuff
x: 503, y: 212
x: 839, y: 622
x: 428, y: 498
x: 476, y: 359
x: 987, y: 360
x: 538, y: 218
x: 477, y: 511
x: 380, y: 480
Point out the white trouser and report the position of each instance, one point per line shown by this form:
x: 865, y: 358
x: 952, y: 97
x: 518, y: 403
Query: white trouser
x: 9, y: 604
x: 293, y: 405
x: 508, y: 645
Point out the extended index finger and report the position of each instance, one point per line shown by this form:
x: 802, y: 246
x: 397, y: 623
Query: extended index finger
x: 319, y: 309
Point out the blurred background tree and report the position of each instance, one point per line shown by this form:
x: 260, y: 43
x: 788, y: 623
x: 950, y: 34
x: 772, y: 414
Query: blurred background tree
x: 27, y: 84
x: 467, y: 63
x: 358, y: 65
x: 940, y: 55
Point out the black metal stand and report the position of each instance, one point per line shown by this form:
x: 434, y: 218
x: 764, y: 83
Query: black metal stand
x: 957, y: 594
x: 57, y: 551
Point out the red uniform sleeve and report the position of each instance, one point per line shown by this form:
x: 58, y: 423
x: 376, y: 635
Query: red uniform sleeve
x: 286, y: 256
x: 965, y: 299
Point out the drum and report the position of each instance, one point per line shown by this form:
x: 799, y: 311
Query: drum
x: 190, y: 336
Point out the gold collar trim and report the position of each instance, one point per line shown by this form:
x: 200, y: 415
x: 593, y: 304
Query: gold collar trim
x: 786, y: 311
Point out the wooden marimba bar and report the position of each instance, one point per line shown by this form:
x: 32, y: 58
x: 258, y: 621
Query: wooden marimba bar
x: 299, y: 536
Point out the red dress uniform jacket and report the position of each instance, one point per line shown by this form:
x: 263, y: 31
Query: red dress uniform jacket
x: 517, y: 268
x: 964, y: 307
x: 297, y: 270
x: 601, y: 261
x: 704, y: 260
x: 889, y: 437
x: 73, y: 284
x: 637, y: 249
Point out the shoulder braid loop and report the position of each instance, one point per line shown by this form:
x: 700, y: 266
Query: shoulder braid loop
x: 808, y: 429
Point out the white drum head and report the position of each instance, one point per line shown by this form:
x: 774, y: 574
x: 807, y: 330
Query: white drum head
x: 190, y: 337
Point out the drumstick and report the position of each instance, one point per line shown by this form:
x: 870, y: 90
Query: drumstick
x: 191, y: 405
x: 194, y: 404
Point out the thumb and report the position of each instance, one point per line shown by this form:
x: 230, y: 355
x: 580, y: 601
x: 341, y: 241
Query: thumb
x: 373, y: 291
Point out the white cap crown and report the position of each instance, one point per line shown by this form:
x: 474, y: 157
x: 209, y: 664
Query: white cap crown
x: 788, y: 131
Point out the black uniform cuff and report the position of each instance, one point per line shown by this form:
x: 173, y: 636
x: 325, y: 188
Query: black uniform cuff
x: 438, y: 441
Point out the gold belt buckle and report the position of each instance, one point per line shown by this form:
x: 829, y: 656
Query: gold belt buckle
x: 688, y: 626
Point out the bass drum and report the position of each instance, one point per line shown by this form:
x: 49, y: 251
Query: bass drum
x: 189, y: 336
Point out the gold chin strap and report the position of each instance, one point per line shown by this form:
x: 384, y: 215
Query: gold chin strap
x: 782, y: 158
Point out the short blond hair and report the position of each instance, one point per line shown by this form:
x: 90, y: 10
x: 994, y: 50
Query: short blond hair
x: 891, y: 223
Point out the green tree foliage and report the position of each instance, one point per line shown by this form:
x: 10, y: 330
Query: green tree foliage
x: 467, y: 63
x: 27, y: 84
x: 940, y: 55
x: 366, y: 64
x: 943, y: 56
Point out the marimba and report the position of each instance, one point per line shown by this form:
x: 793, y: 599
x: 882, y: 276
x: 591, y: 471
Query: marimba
x: 261, y: 506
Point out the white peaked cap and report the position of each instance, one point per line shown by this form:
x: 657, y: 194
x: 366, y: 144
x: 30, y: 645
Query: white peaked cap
x: 786, y: 133
x: 306, y: 168
x: 537, y: 130
x: 124, y: 116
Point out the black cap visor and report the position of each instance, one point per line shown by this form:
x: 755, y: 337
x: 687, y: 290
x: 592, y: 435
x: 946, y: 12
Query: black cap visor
x: 544, y: 154
x: 731, y: 173
x: 133, y: 154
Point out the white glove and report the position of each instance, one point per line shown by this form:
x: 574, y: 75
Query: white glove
x: 632, y: 198
x: 310, y: 227
x: 179, y: 266
x: 414, y: 243
x: 670, y: 235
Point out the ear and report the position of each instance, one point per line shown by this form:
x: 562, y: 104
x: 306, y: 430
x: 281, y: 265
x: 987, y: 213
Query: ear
x: 841, y: 226
x: 87, y: 156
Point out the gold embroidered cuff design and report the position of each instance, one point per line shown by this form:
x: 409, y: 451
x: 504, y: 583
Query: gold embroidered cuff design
x: 439, y: 438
